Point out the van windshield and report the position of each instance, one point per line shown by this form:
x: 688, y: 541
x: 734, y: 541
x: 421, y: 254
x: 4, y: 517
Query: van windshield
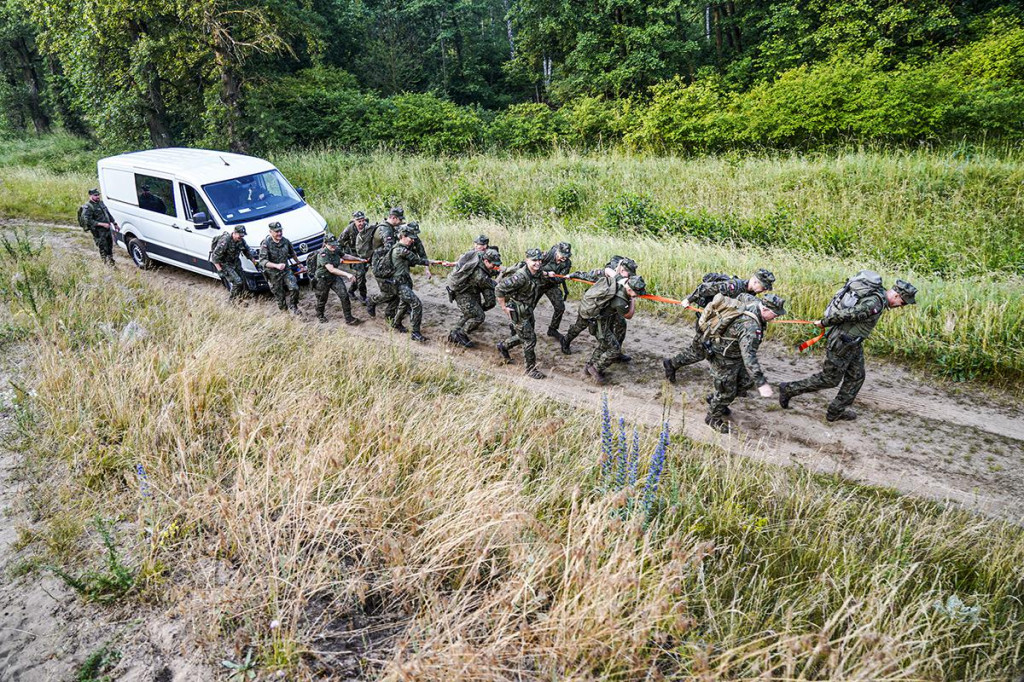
x: 252, y: 197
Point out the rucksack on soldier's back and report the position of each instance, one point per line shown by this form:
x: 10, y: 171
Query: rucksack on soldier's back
x: 381, y: 264
x: 597, y: 296
x: 82, y: 222
x: 862, y: 284
x: 719, y: 314
x: 461, y: 276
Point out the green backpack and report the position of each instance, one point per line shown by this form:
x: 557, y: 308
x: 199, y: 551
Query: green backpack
x: 82, y: 222
x: 718, y: 315
x: 597, y: 297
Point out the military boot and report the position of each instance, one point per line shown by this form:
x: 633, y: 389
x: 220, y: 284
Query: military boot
x: 784, y: 395
x: 554, y: 333
x: 294, y: 310
x: 416, y: 336
x: 718, y: 424
x: 596, y: 374
x: 506, y: 357
x: 564, y: 341
x: 352, y: 321
x: 535, y: 373
x: 321, y: 318
x: 846, y: 415
x: 622, y: 357
x: 371, y: 307
x: 670, y: 370
x: 399, y: 327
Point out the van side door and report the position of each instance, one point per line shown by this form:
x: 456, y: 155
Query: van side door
x: 197, y: 235
x: 157, y: 215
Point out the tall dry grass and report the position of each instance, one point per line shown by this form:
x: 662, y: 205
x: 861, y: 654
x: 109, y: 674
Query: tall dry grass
x: 302, y: 485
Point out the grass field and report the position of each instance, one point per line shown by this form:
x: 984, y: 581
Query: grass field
x: 471, y: 517
x: 952, y: 224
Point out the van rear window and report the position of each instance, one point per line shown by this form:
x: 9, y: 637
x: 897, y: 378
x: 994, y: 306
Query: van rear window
x: 252, y: 197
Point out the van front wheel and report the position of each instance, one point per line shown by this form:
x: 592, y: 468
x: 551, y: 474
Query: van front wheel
x: 137, y: 250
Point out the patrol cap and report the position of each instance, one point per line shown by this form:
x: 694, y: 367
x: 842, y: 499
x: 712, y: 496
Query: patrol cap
x: 774, y: 303
x: 94, y: 192
x: 765, y: 277
x: 413, y: 226
x: 358, y: 215
x: 614, y: 262
x: 564, y: 247
x: 492, y: 256
x: 397, y: 211
x: 275, y: 226
x: 482, y: 240
x: 331, y: 241
x: 534, y: 254
x: 629, y: 264
x: 906, y: 290
x: 240, y: 229
x: 409, y: 230
x: 637, y: 284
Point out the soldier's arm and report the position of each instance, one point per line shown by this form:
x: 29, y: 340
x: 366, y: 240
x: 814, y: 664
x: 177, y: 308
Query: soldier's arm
x: 338, y: 271
x: 750, y: 341
x: 866, y: 308
x: 264, y: 261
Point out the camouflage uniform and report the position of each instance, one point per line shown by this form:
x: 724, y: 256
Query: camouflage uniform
x: 282, y: 282
x: 348, y: 243
x: 227, y: 253
x: 96, y: 212
x: 520, y: 293
x: 733, y: 356
x: 397, y: 293
x: 605, y: 327
x: 475, y: 296
x: 616, y: 324
x: 701, y: 296
x: 325, y: 282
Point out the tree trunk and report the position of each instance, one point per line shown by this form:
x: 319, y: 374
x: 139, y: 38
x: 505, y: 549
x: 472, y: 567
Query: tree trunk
x: 69, y: 118
x: 230, y: 94
x: 32, y: 81
x: 734, y: 27
x: 508, y: 28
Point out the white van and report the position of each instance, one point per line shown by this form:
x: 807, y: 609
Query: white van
x: 170, y: 204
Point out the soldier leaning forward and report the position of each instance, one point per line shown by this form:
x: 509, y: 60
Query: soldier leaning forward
x: 395, y: 282
x: 480, y: 244
x: 611, y: 297
x: 626, y: 267
x: 849, y: 319
x: 349, y: 243
x: 100, y: 224
x: 517, y: 296
x: 330, y: 277
x: 275, y: 252
x: 225, y: 254
x: 557, y: 261
x: 732, y: 351
x: 472, y: 288
x: 714, y: 283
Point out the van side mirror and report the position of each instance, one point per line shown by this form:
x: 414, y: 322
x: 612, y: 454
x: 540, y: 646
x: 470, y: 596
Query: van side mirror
x: 201, y: 220
x: 302, y: 192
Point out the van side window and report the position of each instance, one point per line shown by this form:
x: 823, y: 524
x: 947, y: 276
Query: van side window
x: 193, y: 203
x: 155, y: 194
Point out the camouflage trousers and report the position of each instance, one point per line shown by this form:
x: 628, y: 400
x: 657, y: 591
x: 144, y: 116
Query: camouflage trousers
x: 617, y: 324
x: 730, y: 379
x: 608, y: 346
x: 323, y: 288
x: 388, y: 298
x: 359, y: 286
x: 691, y: 355
x: 409, y: 304
x: 285, y: 287
x: 523, y: 332
x: 104, y: 240
x: 844, y: 367
x: 473, y: 307
x: 557, y: 298
x: 231, y: 275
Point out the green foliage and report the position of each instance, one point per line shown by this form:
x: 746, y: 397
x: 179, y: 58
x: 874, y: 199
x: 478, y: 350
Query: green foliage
x: 96, y: 666
x: 105, y: 586
x: 568, y: 199
x: 470, y: 200
x: 243, y: 670
x: 526, y: 128
x: 426, y: 123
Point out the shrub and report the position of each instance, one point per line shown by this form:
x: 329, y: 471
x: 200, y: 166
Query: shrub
x: 526, y: 128
x: 426, y: 123
x: 470, y: 200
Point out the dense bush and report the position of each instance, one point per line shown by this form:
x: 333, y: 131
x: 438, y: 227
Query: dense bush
x: 526, y: 128
x: 426, y: 123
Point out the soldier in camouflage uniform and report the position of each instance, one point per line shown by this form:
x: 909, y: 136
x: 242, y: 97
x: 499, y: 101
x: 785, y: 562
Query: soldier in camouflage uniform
x: 100, y: 224
x: 275, y: 252
x: 558, y: 261
x: 226, y: 255
x: 758, y: 283
x: 517, y: 296
x: 733, y: 357
x: 473, y: 292
x: 603, y: 315
x: 480, y: 244
x: 627, y: 268
x: 846, y: 329
x: 348, y: 242
x: 330, y: 277
x: 398, y: 294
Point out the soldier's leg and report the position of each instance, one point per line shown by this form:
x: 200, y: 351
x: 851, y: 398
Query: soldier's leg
x: 694, y: 353
x: 342, y: 291
x: 576, y: 328
x: 618, y: 325
x: 322, y: 291
x: 276, y: 283
x: 488, y: 299
x: 236, y: 283
x: 291, y: 285
x: 725, y: 374
x: 557, y: 309
x: 472, y: 312
x: 415, y: 306
x: 608, y: 348
x: 853, y: 379
x: 830, y: 376
x: 529, y: 337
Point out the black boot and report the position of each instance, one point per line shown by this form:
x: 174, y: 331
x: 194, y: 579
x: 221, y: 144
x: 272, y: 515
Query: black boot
x: 784, y: 395
x: 596, y: 374
x: 846, y: 415
x: 564, y: 341
x: 718, y: 424
x: 670, y: 370
x: 505, y: 355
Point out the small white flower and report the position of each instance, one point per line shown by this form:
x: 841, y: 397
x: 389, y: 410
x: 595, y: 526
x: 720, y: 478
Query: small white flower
x: 275, y: 624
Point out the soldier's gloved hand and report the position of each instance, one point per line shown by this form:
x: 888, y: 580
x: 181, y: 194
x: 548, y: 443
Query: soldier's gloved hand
x: 820, y: 324
x: 686, y: 303
x: 765, y: 390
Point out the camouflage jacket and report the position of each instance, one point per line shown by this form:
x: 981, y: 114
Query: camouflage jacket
x: 385, y: 234
x: 365, y: 240
x: 740, y: 341
x: 466, y: 257
x: 349, y: 238
x: 520, y: 287
x: 227, y: 250
x: 324, y: 258
x: 478, y: 279
x: 860, y: 320
x: 705, y: 291
x: 404, y: 259
x: 96, y: 212
x: 279, y: 252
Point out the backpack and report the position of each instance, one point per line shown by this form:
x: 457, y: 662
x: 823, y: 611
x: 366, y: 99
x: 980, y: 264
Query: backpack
x: 381, y: 263
x: 719, y: 315
x: 214, y: 242
x: 717, y: 277
x: 862, y: 284
x: 311, y: 263
x: 462, y: 275
x: 82, y: 222
x: 597, y: 297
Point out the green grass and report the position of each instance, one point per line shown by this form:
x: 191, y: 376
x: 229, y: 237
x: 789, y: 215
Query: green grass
x: 321, y: 469
x: 953, y: 224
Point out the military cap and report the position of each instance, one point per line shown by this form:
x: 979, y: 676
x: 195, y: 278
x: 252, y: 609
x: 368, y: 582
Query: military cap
x: 408, y: 231
x: 492, y: 256
x: 358, y: 215
x: 275, y: 226
x: 774, y: 303
x: 331, y: 240
x: 94, y: 192
x: 906, y: 290
x: 765, y: 277
x: 413, y: 226
x: 629, y: 264
x: 614, y: 262
x: 397, y: 211
x: 564, y: 247
x: 240, y: 229
x: 637, y: 284
x: 145, y: 188
x: 482, y: 240
x: 534, y: 254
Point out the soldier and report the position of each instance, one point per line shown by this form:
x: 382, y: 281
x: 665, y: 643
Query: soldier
x: 733, y: 355
x: 397, y: 291
x: 713, y: 283
x: 627, y: 268
x: 557, y: 261
x: 275, y: 252
x: 517, y: 296
x: 611, y: 297
x: 849, y: 320
x: 480, y: 244
x: 348, y: 242
x: 100, y: 223
x: 330, y: 277
x: 472, y: 288
x: 150, y: 201
x: 226, y: 258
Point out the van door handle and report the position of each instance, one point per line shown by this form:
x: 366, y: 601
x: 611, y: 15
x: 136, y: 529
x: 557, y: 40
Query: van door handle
x: 188, y: 229
x: 176, y: 226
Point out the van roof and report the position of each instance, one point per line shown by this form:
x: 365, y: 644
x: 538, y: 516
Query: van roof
x: 200, y: 165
